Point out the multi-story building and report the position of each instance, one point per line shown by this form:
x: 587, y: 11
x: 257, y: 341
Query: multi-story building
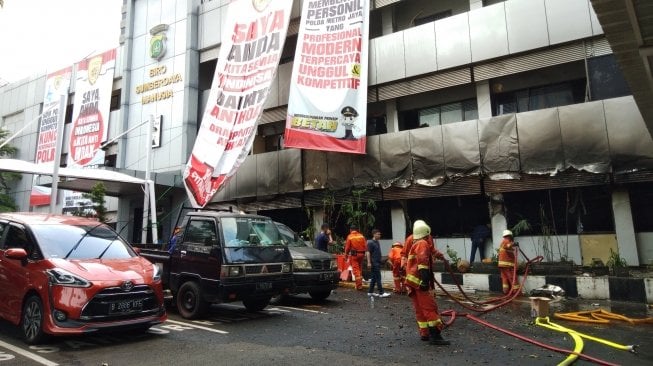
x: 478, y: 112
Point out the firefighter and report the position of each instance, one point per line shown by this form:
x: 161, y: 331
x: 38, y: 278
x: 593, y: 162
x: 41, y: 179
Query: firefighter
x: 420, y: 283
x: 409, y: 242
x: 398, y: 273
x: 355, y: 247
x: 509, y: 281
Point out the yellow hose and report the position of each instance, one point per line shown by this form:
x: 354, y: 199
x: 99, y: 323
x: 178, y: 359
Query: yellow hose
x: 547, y: 324
x: 578, y: 348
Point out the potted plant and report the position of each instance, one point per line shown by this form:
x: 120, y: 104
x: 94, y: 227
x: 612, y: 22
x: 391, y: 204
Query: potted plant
x: 618, y: 265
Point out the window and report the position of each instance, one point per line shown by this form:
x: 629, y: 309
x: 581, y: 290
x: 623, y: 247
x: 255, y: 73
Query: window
x: 432, y: 17
x: 540, y: 97
x: 201, y: 231
x: 445, y: 114
x: 115, y: 100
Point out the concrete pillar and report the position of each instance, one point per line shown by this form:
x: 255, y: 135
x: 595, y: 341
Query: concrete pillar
x: 499, y: 224
x: 484, y: 103
x: 624, y: 229
x: 398, y: 223
x: 475, y: 4
x: 391, y: 115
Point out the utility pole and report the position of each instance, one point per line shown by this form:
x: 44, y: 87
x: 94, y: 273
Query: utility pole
x: 57, y: 156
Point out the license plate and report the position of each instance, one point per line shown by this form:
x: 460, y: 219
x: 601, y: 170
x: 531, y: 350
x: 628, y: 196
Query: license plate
x: 264, y: 286
x: 325, y: 276
x: 126, y: 306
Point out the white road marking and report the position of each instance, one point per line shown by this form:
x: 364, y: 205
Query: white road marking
x: 197, y: 326
x: 300, y: 309
x: 28, y: 354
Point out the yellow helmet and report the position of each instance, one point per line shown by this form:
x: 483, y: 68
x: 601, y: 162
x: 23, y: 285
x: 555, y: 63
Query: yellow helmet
x: 420, y: 230
x: 507, y: 233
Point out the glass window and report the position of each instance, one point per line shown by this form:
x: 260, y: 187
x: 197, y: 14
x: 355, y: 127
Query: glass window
x: 247, y: 231
x: 81, y: 242
x: 429, y: 117
x: 541, y: 97
x: 451, y: 113
x: 201, y: 231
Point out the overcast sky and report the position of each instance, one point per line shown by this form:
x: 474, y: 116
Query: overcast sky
x: 39, y: 36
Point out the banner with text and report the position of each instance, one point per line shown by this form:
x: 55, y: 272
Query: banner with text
x: 56, y: 86
x: 327, y: 105
x: 90, y: 118
x: 252, y: 44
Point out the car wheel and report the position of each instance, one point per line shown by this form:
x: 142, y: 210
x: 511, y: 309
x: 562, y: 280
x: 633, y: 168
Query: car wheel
x: 32, y: 320
x: 189, y: 301
x: 319, y: 295
x: 254, y: 304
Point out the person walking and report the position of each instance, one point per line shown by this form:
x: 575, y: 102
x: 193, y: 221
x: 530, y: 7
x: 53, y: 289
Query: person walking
x: 420, y: 283
x: 324, y: 239
x: 506, y: 263
x: 355, y: 247
x: 398, y: 273
x: 373, y: 254
x: 479, y: 235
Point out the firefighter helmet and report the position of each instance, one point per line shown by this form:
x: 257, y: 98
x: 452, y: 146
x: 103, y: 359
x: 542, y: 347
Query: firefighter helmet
x: 420, y: 230
x: 507, y: 233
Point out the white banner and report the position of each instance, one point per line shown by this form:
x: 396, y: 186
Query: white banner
x: 56, y: 85
x: 91, y: 108
x: 327, y: 106
x: 252, y: 43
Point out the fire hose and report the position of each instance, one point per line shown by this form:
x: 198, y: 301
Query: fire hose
x: 482, y: 307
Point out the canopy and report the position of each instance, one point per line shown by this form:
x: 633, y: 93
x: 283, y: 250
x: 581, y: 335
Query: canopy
x: 116, y: 184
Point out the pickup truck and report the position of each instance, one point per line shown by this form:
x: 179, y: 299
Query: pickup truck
x: 315, y: 272
x: 223, y: 257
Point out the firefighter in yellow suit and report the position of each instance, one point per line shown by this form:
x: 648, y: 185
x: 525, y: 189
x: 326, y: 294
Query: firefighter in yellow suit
x: 419, y: 280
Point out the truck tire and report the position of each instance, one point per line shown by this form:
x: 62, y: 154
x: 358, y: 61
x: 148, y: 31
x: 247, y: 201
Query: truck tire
x: 319, y: 295
x: 189, y: 301
x: 254, y: 304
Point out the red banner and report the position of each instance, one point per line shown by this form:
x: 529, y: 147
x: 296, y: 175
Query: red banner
x: 327, y: 106
x: 248, y: 61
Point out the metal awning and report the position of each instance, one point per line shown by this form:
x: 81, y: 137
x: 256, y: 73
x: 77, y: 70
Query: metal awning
x: 80, y: 180
x: 628, y: 27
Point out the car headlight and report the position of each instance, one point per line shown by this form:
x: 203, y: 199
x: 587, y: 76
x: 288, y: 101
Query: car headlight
x: 286, y: 268
x: 156, y: 272
x: 231, y: 271
x: 302, y: 264
x: 62, y: 277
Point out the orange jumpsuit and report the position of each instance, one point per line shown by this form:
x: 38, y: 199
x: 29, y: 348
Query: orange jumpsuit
x: 398, y: 275
x: 355, y: 247
x: 406, y: 249
x: 506, y: 264
x: 426, y: 309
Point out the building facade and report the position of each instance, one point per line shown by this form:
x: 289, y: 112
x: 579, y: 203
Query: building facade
x: 501, y: 112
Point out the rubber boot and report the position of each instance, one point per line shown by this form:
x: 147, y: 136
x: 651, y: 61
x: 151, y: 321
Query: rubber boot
x: 436, y: 337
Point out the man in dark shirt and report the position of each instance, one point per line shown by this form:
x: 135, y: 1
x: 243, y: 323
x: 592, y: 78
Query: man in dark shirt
x: 324, y: 239
x: 479, y: 235
x: 373, y: 254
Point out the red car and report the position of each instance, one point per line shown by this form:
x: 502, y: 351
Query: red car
x: 71, y: 275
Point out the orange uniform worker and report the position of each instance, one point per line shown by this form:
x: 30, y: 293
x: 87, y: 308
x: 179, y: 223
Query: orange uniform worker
x: 398, y: 274
x: 506, y: 263
x: 419, y: 280
x: 409, y: 242
x: 355, y: 247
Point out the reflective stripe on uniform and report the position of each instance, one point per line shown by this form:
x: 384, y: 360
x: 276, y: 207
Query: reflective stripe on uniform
x: 413, y: 280
x: 423, y: 325
x: 422, y: 266
x: 434, y: 323
x: 505, y: 264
